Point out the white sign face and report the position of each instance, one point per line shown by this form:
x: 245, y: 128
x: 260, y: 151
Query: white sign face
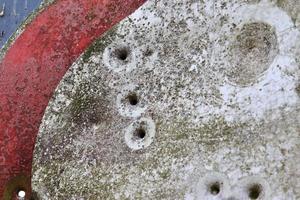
x: 183, y: 99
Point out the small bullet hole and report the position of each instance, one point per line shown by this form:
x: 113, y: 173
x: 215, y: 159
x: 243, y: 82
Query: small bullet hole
x: 254, y: 191
x: 214, y: 188
x: 140, y: 133
x: 133, y: 99
x: 121, y: 53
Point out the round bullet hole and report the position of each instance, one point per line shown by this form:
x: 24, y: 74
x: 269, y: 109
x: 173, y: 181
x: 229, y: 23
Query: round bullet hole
x: 119, y: 57
x: 254, y: 187
x: 140, y: 133
x: 21, y: 194
x: 215, y: 188
x: 122, y: 53
x: 133, y: 99
x: 131, y: 102
x: 254, y: 191
x: 212, y: 185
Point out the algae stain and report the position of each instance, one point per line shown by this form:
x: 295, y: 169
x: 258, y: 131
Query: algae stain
x: 100, y: 44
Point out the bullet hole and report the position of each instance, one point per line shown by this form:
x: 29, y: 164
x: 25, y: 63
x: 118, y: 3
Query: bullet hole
x: 254, y: 191
x: 119, y: 57
x: 215, y: 188
x: 140, y: 133
x: 133, y: 99
x: 21, y: 194
x: 130, y: 103
x: 122, y: 53
x: 212, y: 185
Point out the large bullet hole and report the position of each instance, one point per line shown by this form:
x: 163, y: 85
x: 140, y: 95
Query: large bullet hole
x: 139, y: 133
x: 254, y: 191
x: 133, y: 99
x: 119, y: 57
x: 215, y: 188
x: 122, y: 53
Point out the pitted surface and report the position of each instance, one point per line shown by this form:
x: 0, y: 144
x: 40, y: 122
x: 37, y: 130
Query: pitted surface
x: 182, y: 100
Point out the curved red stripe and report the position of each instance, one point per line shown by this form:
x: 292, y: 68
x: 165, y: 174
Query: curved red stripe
x: 32, y: 69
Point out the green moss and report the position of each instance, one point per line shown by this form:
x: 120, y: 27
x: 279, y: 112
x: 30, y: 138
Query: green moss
x: 175, y: 145
x: 88, y: 107
x: 100, y: 44
x: 281, y: 3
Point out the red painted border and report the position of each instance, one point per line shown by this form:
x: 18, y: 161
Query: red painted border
x: 32, y: 69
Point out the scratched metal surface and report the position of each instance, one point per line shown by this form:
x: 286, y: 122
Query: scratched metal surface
x: 12, y: 14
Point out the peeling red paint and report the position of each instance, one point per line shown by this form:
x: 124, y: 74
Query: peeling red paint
x: 32, y: 69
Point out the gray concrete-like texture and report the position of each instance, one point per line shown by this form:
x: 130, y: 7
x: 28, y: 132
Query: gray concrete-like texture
x: 184, y: 99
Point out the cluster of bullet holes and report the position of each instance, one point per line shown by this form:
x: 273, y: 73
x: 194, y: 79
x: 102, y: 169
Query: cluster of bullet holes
x: 141, y: 132
x: 120, y: 57
x: 216, y: 186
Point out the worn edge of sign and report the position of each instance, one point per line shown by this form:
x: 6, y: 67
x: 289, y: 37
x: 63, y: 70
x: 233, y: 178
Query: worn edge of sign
x: 44, y: 4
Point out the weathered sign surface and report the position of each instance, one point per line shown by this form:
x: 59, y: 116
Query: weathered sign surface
x: 183, y: 99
